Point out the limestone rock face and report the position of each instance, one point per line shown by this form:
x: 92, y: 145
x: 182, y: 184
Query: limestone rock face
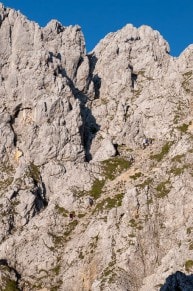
x: 96, y: 159
x: 105, y: 151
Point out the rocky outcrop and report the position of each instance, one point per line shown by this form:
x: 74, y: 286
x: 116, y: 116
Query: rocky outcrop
x: 85, y: 204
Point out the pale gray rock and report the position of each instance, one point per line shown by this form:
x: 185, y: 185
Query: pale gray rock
x: 72, y: 127
x: 106, y: 151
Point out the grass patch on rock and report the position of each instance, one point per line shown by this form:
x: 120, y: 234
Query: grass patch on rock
x: 136, y: 176
x: 178, y: 171
x: 56, y: 270
x: 109, y: 203
x: 163, y: 189
x: 5, y: 183
x: 96, y: 189
x: 11, y: 286
x: 58, y: 240
x: 164, y: 151
x: 147, y: 182
x: 110, y: 169
x: 34, y: 173
x: 183, y: 128
x: 188, y: 265
x: 61, y: 210
x: 114, y: 166
x: 135, y: 224
x: 108, y: 273
x: 189, y: 230
x: 177, y: 158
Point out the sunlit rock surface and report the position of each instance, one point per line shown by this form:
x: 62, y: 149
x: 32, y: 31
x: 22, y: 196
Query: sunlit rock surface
x: 85, y: 202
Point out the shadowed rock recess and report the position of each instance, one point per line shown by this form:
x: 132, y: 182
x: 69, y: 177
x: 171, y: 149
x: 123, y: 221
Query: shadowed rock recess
x: 85, y: 203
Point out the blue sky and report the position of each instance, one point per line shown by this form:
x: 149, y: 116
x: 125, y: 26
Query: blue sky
x: 173, y: 18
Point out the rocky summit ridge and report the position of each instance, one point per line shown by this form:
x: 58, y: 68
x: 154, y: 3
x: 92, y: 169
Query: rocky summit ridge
x: 85, y: 202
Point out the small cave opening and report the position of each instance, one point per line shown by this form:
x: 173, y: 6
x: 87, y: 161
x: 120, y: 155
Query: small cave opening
x: 116, y: 146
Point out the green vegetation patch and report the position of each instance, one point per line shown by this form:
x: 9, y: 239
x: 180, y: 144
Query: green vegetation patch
x: 81, y: 215
x: 95, y: 192
x: 57, y: 287
x: 61, y: 210
x: 163, y: 189
x: 8, y: 171
x: 132, y: 235
x: 183, y: 128
x: 6, y: 168
x: 149, y: 201
x: 163, y: 153
x: 108, y: 273
x: 178, y: 171
x: 147, y: 182
x: 176, y: 118
x: 188, y: 265
x: 110, y: 169
x: 71, y: 226
x: 189, y: 230
x: 56, y: 270
x: 11, y: 286
x: 96, y: 189
x: 114, y: 166
x: 34, y: 172
x: 178, y: 158
x: 109, y: 203
x: 136, y: 176
x: 135, y: 224
x: 5, y: 183
x: 60, y: 239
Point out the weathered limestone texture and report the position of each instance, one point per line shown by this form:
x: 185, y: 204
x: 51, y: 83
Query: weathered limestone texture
x: 96, y: 155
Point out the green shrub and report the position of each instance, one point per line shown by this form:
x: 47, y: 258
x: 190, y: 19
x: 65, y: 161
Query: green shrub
x: 188, y: 265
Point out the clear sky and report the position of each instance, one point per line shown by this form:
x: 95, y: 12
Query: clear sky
x: 173, y: 18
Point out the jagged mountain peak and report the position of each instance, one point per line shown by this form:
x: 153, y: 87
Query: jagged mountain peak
x: 96, y: 159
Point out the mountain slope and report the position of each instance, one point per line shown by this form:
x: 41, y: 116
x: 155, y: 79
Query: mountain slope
x: 72, y: 127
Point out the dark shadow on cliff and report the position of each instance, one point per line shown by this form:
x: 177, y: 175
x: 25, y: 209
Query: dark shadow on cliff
x: 95, y: 78
x: 89, y: 127
x: 178, y: 282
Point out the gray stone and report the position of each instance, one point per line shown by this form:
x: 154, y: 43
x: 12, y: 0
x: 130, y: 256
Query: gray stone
x: 72, y: 126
